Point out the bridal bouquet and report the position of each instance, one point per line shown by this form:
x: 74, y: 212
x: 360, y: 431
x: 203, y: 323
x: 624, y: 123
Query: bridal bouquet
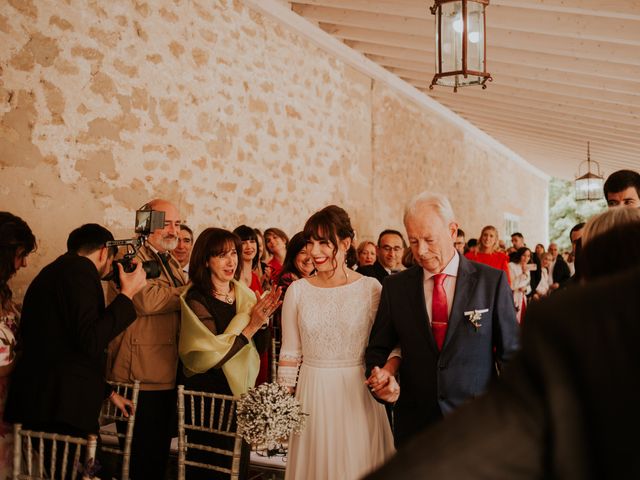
x: 267, y: 415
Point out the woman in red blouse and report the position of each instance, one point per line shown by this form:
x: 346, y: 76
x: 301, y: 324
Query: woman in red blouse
x: 276, y: 242
x: 488, y: 251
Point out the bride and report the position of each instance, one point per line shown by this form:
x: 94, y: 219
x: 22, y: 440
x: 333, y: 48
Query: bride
x: 326, y: 321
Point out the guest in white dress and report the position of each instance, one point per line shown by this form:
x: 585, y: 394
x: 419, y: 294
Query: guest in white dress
x: 326, y: 322
x: 542, y: 290
x: 520, y: 272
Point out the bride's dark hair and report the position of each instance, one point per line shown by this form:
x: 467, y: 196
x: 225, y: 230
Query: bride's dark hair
x: 332, y: 224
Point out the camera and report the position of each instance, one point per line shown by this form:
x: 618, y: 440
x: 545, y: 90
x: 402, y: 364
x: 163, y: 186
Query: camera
x: 147, y: 221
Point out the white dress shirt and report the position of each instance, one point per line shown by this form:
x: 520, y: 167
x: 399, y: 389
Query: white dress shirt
x: 449, y: 284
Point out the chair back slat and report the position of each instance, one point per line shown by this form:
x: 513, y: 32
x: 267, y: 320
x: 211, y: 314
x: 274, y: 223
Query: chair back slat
x: 54, y: 453
x: 29, y: 457
x: 216, y: 415
x: 201, y: 409
x: 113, y: 441
x: 212, y: 412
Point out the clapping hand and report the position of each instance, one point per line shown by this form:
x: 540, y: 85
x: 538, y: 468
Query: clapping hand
x: 383, y: 385
x: 262, y: 310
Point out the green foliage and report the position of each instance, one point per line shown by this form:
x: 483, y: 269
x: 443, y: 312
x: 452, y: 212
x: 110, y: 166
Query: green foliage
x: 565, y: 211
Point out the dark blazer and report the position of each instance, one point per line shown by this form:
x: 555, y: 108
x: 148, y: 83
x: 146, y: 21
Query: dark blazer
x: 565, y: 408
x: 433, y: 383
x: 561, y: 272
x: 376, y: 271
x: 64, y: 331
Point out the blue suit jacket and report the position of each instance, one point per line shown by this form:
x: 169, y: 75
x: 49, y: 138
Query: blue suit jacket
x: 433, y: 383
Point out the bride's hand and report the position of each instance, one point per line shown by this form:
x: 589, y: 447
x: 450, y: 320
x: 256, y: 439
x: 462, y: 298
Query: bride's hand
x: 383, y: 385
x: 378, y: 379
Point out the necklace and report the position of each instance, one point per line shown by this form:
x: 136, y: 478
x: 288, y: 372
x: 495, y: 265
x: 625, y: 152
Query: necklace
x: 226, y: 296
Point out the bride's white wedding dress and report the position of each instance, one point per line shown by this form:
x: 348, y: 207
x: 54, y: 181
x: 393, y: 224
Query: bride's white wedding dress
x: 347, y: 433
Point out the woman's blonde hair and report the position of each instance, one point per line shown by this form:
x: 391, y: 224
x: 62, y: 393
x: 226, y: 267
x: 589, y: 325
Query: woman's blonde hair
x: 495, y: 230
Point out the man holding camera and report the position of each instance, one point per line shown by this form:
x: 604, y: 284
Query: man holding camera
x: 148, y: 350
x: 58, y: 384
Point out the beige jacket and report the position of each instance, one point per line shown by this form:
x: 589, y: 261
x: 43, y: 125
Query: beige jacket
x: 148, y: 349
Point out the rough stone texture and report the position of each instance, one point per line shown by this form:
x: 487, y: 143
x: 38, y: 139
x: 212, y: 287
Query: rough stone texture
x: 105, y: 105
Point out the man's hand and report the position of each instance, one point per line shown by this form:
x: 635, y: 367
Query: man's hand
x: 132, y: 283
x: 383, y: 385
x: 123, y: 404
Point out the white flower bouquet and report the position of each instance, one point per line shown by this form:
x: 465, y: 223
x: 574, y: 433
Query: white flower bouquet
x: 267, y: 415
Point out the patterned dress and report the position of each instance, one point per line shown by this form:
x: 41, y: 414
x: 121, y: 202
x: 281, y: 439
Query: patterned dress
x: 9, y: 318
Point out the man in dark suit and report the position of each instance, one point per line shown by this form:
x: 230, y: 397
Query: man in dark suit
x: 560, y: 272
x: 389, y: 251
x: 58, y: 384
x: 453, y: 319
x: 566, y: 406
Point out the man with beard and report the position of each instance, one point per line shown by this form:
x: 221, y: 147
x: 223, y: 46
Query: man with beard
x: 148, y: 350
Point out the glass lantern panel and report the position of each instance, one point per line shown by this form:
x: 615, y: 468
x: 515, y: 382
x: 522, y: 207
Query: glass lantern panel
x: 475, y: 36
x: 582, y: 189
x: 451, y: 36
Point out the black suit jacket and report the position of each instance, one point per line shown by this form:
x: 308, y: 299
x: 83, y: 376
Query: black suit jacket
x: 433, y: 383
x: 64, y: 331
x: 561, y: 272
x: 566, y: 407
x: 376, y: 271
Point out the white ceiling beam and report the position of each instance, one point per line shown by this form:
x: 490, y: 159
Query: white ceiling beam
x: 613, y: 98
x: 572, y: 64
x: 497, y: 69
x: 566, y: 132
x: 575, y: 150
x: 618, y: 9
x: 505, y: 106
x: 608, y: 162
x: 376, y: 21
x: 498, y: 38
x: 626, y: 113
x: 566, y: 157
x: 617, y: 31
x: 526, y: 119
x: 409, y: 8
x: 542, y: 113
x: 626, y: 9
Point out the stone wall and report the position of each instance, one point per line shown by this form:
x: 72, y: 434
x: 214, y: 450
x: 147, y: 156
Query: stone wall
x: 230, y: 115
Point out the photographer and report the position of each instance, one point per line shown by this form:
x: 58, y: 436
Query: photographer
x: 58, y: 384
x: 148, y: 350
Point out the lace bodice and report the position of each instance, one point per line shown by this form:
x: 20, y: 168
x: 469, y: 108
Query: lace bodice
x: 329, y: 327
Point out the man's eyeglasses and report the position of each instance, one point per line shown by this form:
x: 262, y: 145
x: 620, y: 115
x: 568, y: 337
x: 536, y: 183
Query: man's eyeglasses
x: 389, y: 249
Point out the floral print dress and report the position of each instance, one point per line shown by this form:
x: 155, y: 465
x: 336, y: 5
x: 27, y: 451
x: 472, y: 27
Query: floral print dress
x: 9, y: 318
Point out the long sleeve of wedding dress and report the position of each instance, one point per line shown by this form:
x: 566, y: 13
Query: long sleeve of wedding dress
x: 291, y: 349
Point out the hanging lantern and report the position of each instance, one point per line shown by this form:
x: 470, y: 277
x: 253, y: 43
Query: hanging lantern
x: 461, y: 43
x: 589, y: 185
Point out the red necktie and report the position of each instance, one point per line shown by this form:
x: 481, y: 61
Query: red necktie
x: 439, y: 313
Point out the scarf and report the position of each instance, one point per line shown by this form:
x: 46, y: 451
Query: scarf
x: 201, y: 350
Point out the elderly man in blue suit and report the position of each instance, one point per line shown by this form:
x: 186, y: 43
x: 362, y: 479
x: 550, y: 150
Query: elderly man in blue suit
x: 452, y: 319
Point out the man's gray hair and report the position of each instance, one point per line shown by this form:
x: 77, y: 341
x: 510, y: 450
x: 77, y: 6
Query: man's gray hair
x: 608, y: 220
x: 440, y: 203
